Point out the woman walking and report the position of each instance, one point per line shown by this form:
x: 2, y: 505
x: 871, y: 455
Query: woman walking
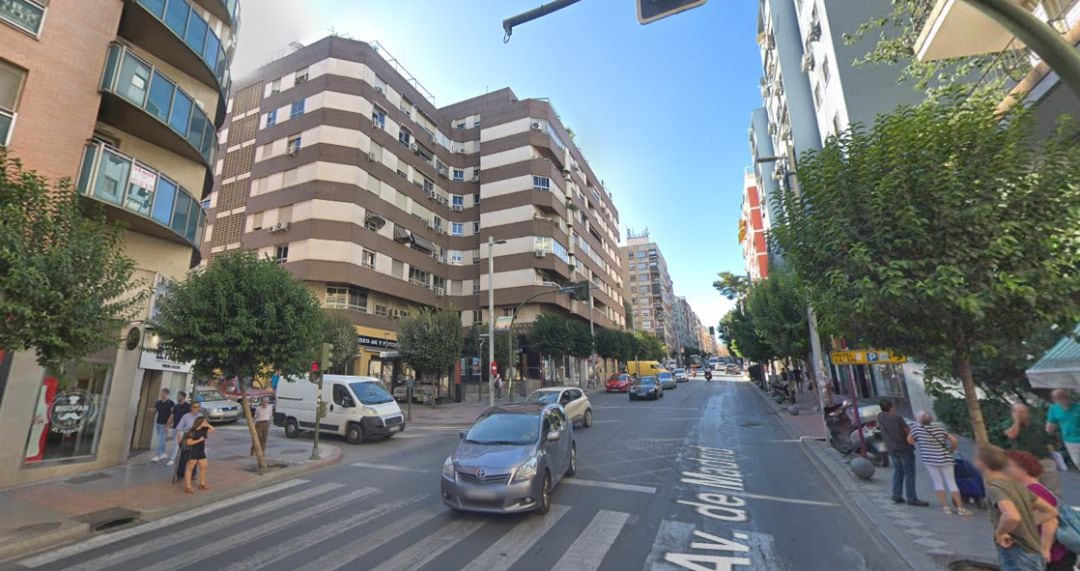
x: 937, y: 450
x: 195, y: 441
x: 1025, y: 469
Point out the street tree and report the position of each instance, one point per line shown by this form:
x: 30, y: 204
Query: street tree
x: 777, y: 309
x: 742, y: 337
x: 240, y: 315
x: 648, y: 347
x: 67, y: 287
x: 340, y: 333
x: 430, y: 341
x: 731, y: 286
x: 942, y: 228
x: 550, y: 335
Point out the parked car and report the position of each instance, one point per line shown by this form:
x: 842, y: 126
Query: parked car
x: 215, y: 406
x: 619, y: 382
x: 646, y: 388
x: 510, y: 460
x: 255, y: 395
x: 421, y: 394
x: 573, y: 400
x: 681, y: 376
x: 358, y: 408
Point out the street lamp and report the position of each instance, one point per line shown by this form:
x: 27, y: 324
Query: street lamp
x: 491, y: 315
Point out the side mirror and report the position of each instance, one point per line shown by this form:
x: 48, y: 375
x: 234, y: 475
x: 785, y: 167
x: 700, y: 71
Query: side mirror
x: 461, y: 434
x: 553, y: 436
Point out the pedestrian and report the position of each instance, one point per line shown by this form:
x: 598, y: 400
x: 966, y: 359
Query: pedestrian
x: 894, y: 431
x: 1026, y: 436
x: 179, y: 411
x: 937, y: 449
x: 1064, y: 420
x: 195, y: 442
x: 262, y: 424
x: 1015, y: 513
x: 498, y: 386
x: 1025, y: 469
x: 163, y: 414
x: 184, y: 425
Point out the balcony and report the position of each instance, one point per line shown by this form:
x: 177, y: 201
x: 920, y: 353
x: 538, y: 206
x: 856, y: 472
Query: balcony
x: 174, y: 32
x: 955, y: 28
x: 225, y: 10
x: 135, y: 89
x: 140, y: 196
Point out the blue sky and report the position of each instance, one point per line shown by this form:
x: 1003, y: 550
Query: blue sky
x: 660, y: 111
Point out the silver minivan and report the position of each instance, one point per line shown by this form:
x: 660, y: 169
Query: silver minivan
x: 510, y: 460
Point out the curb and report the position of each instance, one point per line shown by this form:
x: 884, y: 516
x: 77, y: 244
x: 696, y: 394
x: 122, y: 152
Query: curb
x: 13, y: 548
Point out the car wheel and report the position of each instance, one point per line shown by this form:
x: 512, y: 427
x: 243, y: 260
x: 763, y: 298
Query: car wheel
x: 587, y: 422
x: 544, y: 506
x: 354, y: 434
x: 570, y: 471
x: 292, y: 429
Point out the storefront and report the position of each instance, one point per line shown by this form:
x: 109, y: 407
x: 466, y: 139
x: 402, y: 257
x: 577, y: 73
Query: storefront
x: 370, y: 343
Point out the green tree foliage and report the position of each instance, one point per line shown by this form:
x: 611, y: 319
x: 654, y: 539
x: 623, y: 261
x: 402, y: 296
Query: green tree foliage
x: 581, y: 344
x: 550, y: 335
x: 731, y: 286
x: 340, y: 333
x: 943, y: 228
x: 738, y: 331
x: 629, y: 312
x: 608, y: 343
x: 430, y: 341
x: 67, y: 287
x: 648, y: 347
x: 777, y: 310
x: 240, y: 315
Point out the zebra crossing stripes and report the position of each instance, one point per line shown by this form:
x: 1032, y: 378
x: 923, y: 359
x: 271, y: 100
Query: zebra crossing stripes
x: 589, y: 549
x: 427, y: 549
x: 363, y: 545
x: 517, y: 542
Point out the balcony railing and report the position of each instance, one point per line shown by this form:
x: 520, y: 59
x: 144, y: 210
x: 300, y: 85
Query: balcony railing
x: 145, y: 87
x: 116, y: 179
x: 189, y: 27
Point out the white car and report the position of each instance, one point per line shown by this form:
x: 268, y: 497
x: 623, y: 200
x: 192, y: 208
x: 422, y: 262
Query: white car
x: 680, y: 375
x: 573, y: 400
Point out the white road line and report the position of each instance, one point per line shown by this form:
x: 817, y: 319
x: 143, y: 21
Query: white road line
x: 113, y: 558
x: 430, y: 547
x: 611, y: 485
x: 588, y: 551
x: 263, y: 557
x: 517, y: 542
x: 169, y: 521
x: 234, y: 540
x: 364, y: 544
x: 786, y: 500
x: 391, y: 467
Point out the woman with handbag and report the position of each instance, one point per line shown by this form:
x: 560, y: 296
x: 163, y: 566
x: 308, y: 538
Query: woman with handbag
x: 1026, y: 469
x: 937, y: 450
x: 195, y: 441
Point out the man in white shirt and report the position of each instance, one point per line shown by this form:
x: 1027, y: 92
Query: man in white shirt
x: 263, y: 415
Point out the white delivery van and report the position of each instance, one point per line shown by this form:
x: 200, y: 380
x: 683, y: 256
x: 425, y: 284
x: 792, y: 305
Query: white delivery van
x: 358, y: 408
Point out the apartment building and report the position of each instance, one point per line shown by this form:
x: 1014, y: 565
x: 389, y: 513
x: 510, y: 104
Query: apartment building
x: 652, y: 295
x: 337, y: 163
x: 687, y: 327
x: 125, y: 98
x: 752, y: 230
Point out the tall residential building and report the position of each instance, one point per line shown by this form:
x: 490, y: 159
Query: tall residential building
x: 125, y: 97
x: 687, y: 326
x: 752, y: 231
x: 338, y: 164
x: 652, y: 296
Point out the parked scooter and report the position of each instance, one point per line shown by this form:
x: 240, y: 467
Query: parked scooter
x: 844, y: 437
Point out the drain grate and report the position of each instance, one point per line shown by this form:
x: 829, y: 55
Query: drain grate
x: 88, y: 478
x: 109, y: 518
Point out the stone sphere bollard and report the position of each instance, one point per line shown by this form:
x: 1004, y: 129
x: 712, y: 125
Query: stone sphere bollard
x: 793, y: 410
x: 862, y: 468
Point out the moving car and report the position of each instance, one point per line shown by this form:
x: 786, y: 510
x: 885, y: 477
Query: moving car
x: 358, y: 408
x: 619, y: 382
x: 732, y: 369
x: 573, y: 401
x: 667, y: 380
x: 215, y: 406
x: 510, y: 460
x: 681, y: 376
x: 646, y: 388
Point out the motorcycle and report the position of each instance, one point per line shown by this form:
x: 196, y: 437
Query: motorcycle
x: 845, y: 438
x: 708, y: 376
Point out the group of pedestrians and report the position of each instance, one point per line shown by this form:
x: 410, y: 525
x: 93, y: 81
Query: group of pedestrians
x: 191, y: 430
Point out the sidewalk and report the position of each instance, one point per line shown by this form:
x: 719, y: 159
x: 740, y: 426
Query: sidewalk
x: 925, y: 537
x: 47, y: 513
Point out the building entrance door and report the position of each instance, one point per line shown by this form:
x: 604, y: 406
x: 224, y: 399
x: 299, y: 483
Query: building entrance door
x: 142, y: 434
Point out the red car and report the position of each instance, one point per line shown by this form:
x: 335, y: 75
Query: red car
x: 255, y: 395
x: 619, y: 383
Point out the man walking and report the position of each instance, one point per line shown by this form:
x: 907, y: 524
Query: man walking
x: 1025, y: 436
x: 163, y: 412
x: 179, y: 411
x: 1064, y: 419
x: 894, y: 430
x: 262, y: 424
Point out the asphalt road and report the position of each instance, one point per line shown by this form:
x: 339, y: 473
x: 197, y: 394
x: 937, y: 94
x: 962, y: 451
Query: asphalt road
x: 704, y: 478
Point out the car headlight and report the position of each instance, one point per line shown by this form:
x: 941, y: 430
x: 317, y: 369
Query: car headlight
x: 368, y: 411
x: 525, y: 472
x: 448, y: 468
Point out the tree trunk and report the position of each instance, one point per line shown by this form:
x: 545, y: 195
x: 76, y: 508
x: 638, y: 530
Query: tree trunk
x: 978, y: 426
x: 255, y: 444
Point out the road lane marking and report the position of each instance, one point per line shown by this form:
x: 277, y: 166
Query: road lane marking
x: 391, y: 467
x: 264, y: 557
x: 588, y: 551
x: 366, y: 543
x: 234, y: 540
x: 789, y: 500
x: 517, y: 542
x: 427, y: 549
x: 611, y: 485
x: 111, y: 559
x: 169, y: 521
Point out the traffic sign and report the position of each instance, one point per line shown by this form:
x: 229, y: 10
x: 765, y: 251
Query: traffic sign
x: 867, y: 357
x: 494, y: 368
x: 649, y: 11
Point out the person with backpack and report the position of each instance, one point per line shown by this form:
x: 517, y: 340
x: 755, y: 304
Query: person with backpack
x: 936, y: 451
x: 195, y: 443
x: 1025, y: 468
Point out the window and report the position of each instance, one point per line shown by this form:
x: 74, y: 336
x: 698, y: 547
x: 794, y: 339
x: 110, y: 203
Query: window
x: 541, y: 183
x: 646, y: 324
x: 378, y: 117
x: 82, y: 395
x: 825, y: 69
x: 133, y: 81
x: 11, y: 81
x: 293, y: 146
x: 457, y: 229
x: 459, y: 174
x: 271, y: 118
x: 404, y: 136
x: 476, y: 123
x: 381, y: 310
x: 456, y: 257
x: 301, y: 76
x: 367, y: 259
x: 23, y: 14
x: 457, y: 200
x: 419, y: 277
x: 297, y: 109
x: 160, y: 99
x: 477, y: 315
x: 275, y: 87
x: 476, y: 227
x: 340, y: 296
x: 476, y: 199
x: 342, y: 397
x: 281, y: 254
x: 508, y: 312
x: 817, y: 93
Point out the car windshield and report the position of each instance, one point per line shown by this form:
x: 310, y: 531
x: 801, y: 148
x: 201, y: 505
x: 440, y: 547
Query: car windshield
x: 647, y: 381
x: 679, y: 371
x: 663, y: 375
x: 208, y: 395
x: 545, y: 396
x: 370, y: 393
x: 503, y: 428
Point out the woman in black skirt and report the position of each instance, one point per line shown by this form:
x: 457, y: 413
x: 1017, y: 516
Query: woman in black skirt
x: 196, y: 443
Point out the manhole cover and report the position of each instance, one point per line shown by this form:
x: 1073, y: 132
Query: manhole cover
x: 41, y: 527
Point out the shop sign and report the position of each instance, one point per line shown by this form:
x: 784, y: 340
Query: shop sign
x: 375, y: 342
x: 867, y: 357
x: 160, y: 361
x: 71, y: 411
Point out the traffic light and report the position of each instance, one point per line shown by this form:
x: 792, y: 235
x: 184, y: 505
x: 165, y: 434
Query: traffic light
x: 315, y: 375
x: 649, y: 11
x: 581, y: 293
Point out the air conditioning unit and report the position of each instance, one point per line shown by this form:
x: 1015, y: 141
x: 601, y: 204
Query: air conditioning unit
x: 430, y: 224
x: 439, y: 292
x: 431, y: 196
x: 443, y: 172
x: 460, y: 150
x: 540, y: 253
x: 476, y: 178
x: 279, y: 227
x: 375, y: 123
x: 379, y: 89
x: 807, y: 62
x: 292, y: 153
x: 443, y: 200
x: 457, y: 208
x: 536, y: 125
x: 772, y: 128
x: 765, y: 91
x: 371, y: 157
x: 414, y: 147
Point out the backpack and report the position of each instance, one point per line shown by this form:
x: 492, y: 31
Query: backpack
x: 1068, y: 532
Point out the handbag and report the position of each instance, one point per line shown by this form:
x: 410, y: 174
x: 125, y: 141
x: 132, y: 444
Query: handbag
x: 1068, y: 532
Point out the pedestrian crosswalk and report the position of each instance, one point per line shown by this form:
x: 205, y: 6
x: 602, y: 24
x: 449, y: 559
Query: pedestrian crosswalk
x: 308, y: 526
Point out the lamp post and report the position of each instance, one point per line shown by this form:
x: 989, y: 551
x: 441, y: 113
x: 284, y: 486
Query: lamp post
x: 510, y: 327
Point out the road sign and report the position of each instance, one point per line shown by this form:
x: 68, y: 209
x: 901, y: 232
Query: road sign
x: 867, y: 357
x: 502, y: 323
x: 494, y: 369
x: 649, y: 11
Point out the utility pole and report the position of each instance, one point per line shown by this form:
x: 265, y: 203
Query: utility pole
x: 491, y: 318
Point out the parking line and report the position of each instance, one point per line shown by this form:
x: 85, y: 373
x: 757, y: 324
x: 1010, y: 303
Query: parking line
x: 391, y: 467
x: 611, y: 485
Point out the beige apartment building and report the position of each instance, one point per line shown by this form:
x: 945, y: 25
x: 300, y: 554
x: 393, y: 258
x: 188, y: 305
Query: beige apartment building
x: 337, y: 163
x: 652, y: 295
x: 124, y: 97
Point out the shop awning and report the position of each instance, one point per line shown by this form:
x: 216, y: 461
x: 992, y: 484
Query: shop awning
x: 423, y: 244
x: 1059, y: 368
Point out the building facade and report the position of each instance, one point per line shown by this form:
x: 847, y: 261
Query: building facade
x: 125, y: 98
x: 337, y: 163
x: 752, y: 231
x: 652, y: 295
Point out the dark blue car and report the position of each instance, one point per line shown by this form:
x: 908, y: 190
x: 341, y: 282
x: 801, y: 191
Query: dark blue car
x: 646, y: 388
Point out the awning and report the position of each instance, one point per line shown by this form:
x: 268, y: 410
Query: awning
x: 423, y: 244
x: 400, y: 234
x: 1059, y: 368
